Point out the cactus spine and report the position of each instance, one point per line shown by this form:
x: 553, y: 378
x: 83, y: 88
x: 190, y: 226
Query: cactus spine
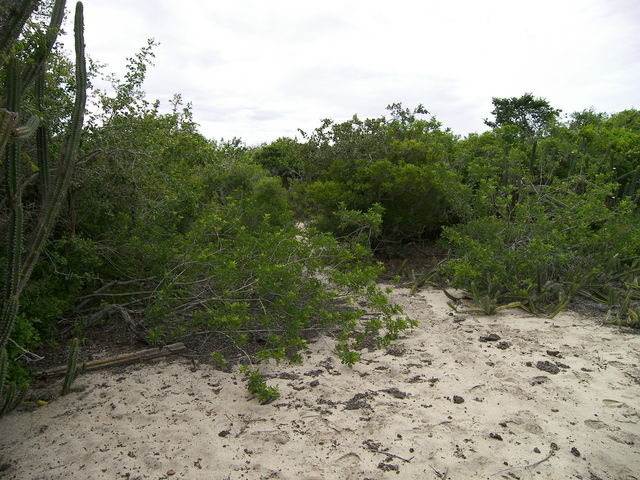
x: 72, y: 366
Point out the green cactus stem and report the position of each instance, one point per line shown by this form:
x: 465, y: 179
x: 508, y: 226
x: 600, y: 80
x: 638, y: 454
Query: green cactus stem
x: 36, y: 66
x: 12, y: 398
x: 14, y: 237
x: 42, y: 141
x: 4, y: 362
x: 72, y: 366
x: 56, y: 194
x: 8, y: 122
x: 10, y: 395
x: 13, y: 19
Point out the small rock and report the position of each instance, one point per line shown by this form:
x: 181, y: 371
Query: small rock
x: 562, y: 365
x: 224, y: 433
x: 171, y: 472
x: 495, y: 436
x: 315, y: 383
x: 575, y: 452
x: 554, y: 446
x: 548, y: 367
x: 492, y: 337
x: 536, y: 449
x: 503, y: 345
x: 554, y: 353
x: 458, y: 399
x: 529, y: 364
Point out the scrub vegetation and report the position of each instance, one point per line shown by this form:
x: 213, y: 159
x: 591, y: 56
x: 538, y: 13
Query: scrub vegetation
x: 126, y: 213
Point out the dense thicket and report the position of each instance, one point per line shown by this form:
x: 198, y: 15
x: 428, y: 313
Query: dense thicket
x: 179, y: 234
x: 176, y: 234
x: 535, y: 211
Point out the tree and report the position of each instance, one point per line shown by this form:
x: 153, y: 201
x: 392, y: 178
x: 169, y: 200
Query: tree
x: 532, y: 116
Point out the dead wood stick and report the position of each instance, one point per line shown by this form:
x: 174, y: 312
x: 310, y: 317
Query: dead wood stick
x: 516, y: 467
x: 119, y: 359
x: 391, y: 455
x: 442, y: 476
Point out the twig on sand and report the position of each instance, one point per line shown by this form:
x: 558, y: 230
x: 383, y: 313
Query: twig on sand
x: 391, y: 455
x: 441, y: 476
x: 549, y: 455
x: 246, y: 422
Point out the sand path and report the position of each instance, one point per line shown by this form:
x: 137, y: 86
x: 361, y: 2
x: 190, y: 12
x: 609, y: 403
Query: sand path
x: 440, y: 403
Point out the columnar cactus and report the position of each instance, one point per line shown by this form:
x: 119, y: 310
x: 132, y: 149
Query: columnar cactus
x: 13, y: 17
x: 22, y: 255
x: 19, y: 269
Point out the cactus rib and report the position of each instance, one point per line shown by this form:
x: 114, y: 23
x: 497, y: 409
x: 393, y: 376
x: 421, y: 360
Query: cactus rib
x: 56, y: 193
x: 16, y: 17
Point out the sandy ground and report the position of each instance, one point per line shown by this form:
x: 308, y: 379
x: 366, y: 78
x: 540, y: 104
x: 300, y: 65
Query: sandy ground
x: 553, y: 399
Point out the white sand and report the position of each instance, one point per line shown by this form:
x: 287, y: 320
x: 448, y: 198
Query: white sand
x: 163, y: 420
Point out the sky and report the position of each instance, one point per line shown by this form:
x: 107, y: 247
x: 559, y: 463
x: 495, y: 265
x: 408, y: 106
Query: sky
x: 260, y: 70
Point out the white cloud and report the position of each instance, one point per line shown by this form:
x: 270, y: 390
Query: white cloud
x: 260, y: 70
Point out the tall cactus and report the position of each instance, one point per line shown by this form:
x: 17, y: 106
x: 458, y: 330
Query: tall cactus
x: 58, y: 188
x: 14, y: 230
x: 19, y: 269
x: 13, y: 19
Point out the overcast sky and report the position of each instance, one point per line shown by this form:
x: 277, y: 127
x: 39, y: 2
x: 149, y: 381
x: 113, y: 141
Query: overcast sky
x: 260, y: 69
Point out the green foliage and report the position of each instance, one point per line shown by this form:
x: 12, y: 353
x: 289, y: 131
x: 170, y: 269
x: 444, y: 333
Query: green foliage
x: 398, y: 166
x: 181, y: 235
x: 217, y: 359
x: 11, y: 393
x: 549, y: 219
x: 527, y: 114
x: 258, y: 387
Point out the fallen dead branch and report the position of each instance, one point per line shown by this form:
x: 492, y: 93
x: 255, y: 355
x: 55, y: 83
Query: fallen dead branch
x: 119, y: 359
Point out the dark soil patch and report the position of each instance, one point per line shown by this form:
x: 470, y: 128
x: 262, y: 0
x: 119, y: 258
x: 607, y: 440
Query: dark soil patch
x: 358, y: 401
x: 547, y: 366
